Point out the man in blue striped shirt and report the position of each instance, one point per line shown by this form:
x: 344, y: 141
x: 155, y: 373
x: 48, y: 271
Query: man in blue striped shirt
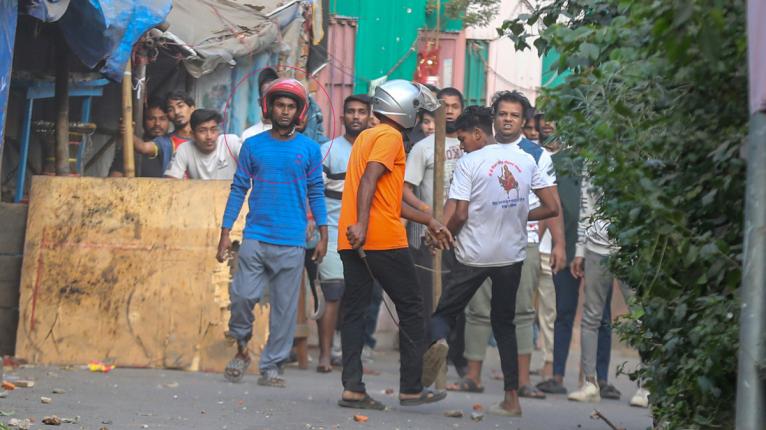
x: 284, y: 170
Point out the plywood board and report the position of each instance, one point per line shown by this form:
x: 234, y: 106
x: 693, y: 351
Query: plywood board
x: 124, y: 270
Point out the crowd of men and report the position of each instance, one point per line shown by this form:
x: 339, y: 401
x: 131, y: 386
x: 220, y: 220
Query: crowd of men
x: 517, y: 238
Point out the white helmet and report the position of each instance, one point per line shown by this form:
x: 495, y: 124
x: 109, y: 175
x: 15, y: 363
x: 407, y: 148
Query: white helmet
x: 400, y: 101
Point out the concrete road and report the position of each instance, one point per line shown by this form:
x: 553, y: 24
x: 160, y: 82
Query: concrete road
x: 162, y: 399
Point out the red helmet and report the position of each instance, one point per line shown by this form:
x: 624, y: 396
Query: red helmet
x: 286, y: 87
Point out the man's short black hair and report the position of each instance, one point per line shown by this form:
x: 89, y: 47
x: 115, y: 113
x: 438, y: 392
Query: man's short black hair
x: 475, y: 117
x: 449, y: 91
x: 155, y: 103
x: 361, y: 98
x: 178, y: 95
x: 267, y: 75
x: 201, y: 116
x: 512, y: 97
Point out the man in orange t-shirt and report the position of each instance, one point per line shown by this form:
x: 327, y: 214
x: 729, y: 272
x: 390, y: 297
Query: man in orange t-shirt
x: 370, y: 214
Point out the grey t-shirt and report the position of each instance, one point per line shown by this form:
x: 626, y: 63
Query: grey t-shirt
x: 189, y: 162
x: 419, y: 172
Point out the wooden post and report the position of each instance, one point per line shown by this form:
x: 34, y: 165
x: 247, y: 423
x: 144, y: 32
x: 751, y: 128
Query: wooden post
x: 127, y: 118
x: 438, y: 203
x: 62, y: 107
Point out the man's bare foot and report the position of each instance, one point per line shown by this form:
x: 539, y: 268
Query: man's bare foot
x: 352, y: 395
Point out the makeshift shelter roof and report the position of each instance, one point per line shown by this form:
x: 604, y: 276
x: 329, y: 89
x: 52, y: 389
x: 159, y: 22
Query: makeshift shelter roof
x: 101, y: 32
x: 207, y: 33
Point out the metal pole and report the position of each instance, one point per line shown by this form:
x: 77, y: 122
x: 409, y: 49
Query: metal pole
x: 127, y: 118
x: 438, y: 203
x: 62, y: 108
x: 751, y: 388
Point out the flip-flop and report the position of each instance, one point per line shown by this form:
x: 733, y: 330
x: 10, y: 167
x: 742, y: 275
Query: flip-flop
x: 467, y: 385
x: 531, y: 392
x: 324, y: 369
x: 501, y: 411
x: 236, y: 369
x: 426, y: 396
x: 365, y: 402
x: 433, y: 359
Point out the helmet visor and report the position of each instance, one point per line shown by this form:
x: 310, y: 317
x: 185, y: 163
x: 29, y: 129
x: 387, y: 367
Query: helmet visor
x: 426, y: 100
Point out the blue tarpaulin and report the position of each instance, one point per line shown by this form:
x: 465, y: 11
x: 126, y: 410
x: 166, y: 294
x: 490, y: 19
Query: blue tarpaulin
x: 8, y: 14
x: 102, y: 30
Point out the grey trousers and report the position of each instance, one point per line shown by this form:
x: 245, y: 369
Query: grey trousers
x: 598, y: 283
x: 279, y: 268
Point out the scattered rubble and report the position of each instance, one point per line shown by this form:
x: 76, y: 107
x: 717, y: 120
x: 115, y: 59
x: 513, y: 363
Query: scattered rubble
x: 454, y: 413
x: 45, y: 400
x: 477, y: 416
x: 52, y: 420
x: 361, y: 418
x: 24, y: 424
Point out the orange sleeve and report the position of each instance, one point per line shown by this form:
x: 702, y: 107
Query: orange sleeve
x: 385, y: 150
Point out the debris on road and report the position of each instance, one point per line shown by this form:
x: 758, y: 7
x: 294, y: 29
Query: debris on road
x: 9, y: 386
x: 58, y: 391
x: 170, y: 385
x: 596, y: 415
x: 454, y: 413
x: 478, y: 407
x: 52, y: 420
x: 477, y: 416
x: 24, y: 383
x: 46, y: 400
x: 75, y: 420
x: 24, y: 424
x: 361, y: 418
x: 97, y: 366
x: 3, y: 394
x: 7, y: 414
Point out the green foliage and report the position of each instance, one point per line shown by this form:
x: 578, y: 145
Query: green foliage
x: 474, y: 13
x: 657, y: 108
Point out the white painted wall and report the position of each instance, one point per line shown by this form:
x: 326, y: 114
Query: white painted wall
x: 509, y: 69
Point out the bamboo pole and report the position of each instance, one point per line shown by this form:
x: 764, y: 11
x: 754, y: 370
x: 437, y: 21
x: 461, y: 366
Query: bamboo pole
x: 127, y: 118
x: 438, y: 203
x: 62, y: 108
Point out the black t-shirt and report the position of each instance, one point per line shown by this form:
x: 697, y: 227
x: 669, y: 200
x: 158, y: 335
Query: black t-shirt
x: 146, y: 167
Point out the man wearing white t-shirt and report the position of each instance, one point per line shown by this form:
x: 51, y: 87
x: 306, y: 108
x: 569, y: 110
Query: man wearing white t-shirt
x: 490, y: 192
x: 210, y: 154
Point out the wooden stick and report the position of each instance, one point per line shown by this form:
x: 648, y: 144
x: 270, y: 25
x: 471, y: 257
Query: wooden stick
x: 62, y: 108
x: 127, y: 118
x: 438, y: 203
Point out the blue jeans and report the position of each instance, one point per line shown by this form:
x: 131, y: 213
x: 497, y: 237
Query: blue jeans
x: 567, y: 295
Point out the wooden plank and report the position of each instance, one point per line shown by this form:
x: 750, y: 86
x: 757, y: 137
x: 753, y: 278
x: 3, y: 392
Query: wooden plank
x: 124, y: 270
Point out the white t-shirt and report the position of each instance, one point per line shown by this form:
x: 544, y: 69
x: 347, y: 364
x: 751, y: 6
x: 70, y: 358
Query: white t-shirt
x: 496, y: 181
x: 419, y: 172
x: 256, y: 128
x: 545, y: 165
x: 219, y: 164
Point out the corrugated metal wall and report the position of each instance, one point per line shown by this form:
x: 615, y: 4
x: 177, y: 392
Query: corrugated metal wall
x: 508, y: 69
x: 451, y: 58
x: 337, y: 77
x: 475, y: 89
x: 387, y: 30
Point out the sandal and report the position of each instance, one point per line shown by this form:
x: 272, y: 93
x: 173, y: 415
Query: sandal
x: 466, y: 385
x: 324, y: 369
x: 426, y: 396
x: 236, y: 368
x: 501, y: 411
x: 433, y: 360
x: 365, y: 402
x: 531, y: 392
x: 270, y: 379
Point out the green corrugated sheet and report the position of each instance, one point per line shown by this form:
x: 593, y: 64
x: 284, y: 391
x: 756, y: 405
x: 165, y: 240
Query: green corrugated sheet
x: 447, y: 24
x: 475, y: 85
x: 551, y: 77
x: 387, y: 29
